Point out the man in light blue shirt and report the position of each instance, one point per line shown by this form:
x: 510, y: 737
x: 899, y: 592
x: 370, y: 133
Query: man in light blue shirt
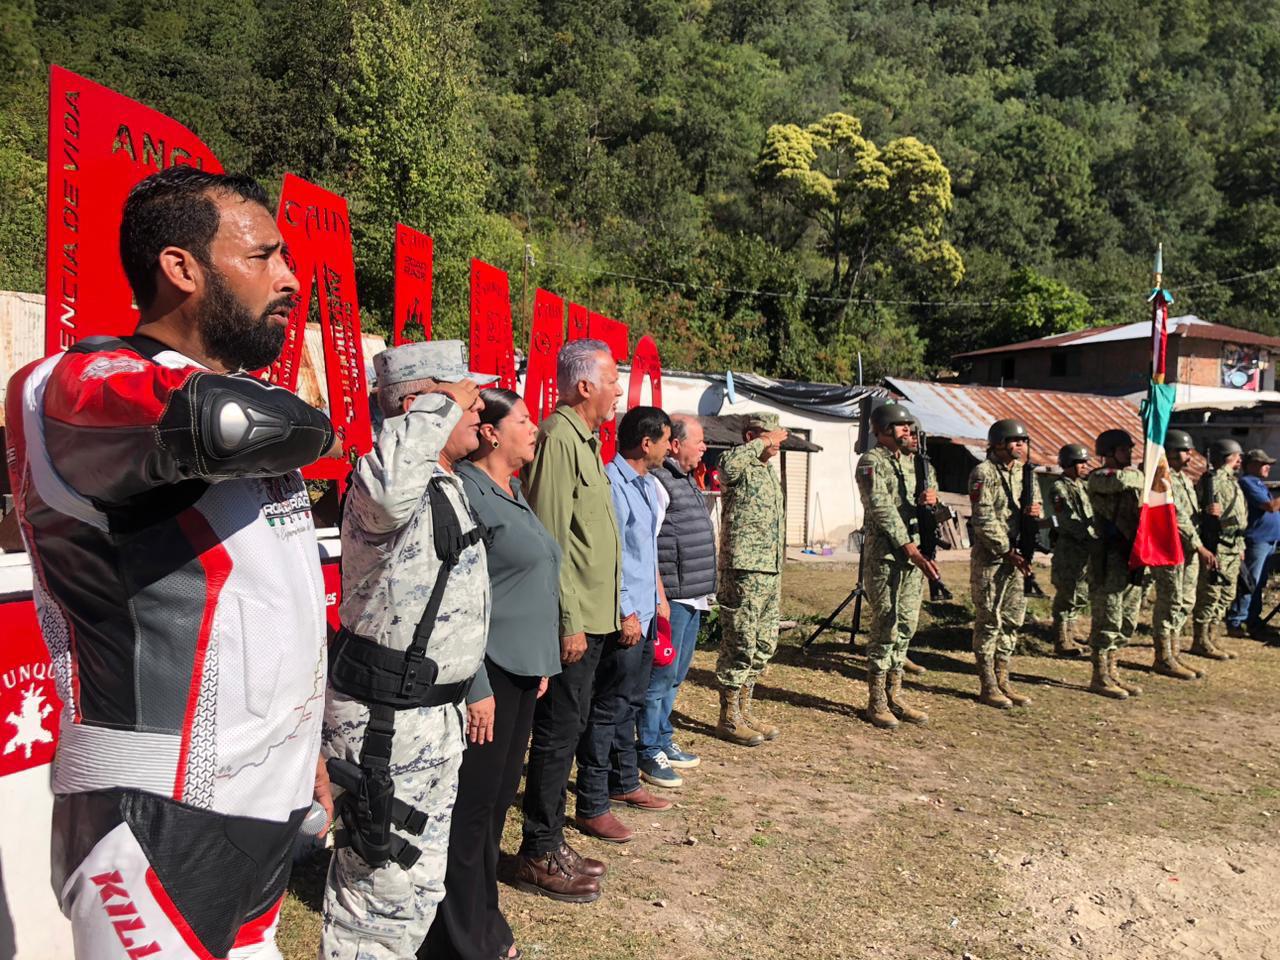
x: 607, y: 762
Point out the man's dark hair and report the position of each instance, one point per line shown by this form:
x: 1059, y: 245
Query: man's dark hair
x: 639, y: 424
x: 175, y: 208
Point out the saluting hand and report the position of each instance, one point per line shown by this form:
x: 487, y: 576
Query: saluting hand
x: 464, y: 393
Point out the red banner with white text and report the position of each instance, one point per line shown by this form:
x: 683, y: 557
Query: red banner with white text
x: 100, y: 144
x: 492, y: 347
x: 316, y: 227
x: 413, y: 285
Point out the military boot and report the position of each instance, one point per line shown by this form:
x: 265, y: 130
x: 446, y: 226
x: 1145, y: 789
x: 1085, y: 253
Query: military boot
x: 1113, y: 671
x: 912, y: 668
x: 1166, y: 664
x: 731, y: 726
x: 1202, y: 643
x: 990, y: 694
x: 1215, y: 642
x: 766, y: 730
x: 1064, y: 644
x: 1002, y: 681
x: 899, y: 707
x: 1101, y: 683
x: 877, y: 713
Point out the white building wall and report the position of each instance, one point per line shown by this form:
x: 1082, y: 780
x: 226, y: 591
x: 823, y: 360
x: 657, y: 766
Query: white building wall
x: 834, y: 509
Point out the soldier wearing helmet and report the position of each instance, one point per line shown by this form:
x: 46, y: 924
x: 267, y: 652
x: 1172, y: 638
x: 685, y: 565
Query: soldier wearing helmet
x: 1073, y: 520
x: 893, y: 567
x: 1176, y: 586
x: 1224, y: 514
x: 1115, y: 492
x: 996, y: 568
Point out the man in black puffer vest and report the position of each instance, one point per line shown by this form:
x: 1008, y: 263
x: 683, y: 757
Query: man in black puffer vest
x: 687, y: 564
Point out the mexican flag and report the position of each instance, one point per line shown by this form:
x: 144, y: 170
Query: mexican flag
x: 1157, y: 543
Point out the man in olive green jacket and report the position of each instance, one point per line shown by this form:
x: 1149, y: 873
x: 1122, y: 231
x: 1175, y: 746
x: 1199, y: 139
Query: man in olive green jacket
x: 752, y: 535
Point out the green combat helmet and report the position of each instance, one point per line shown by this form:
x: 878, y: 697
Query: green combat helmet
x: 1109, y: 440
x: 1002, y: 431
x: 1219, y: 450
x: 1179, y: 440
x: 1072, y: 453
x: 889, y: 415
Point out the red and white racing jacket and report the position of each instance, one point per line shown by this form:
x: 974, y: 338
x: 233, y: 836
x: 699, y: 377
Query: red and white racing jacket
x: 177, y: 576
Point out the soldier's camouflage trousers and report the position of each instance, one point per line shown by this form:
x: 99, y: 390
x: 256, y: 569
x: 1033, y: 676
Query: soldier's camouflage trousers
x: 1115, y: 601
x: 1213, y: 599
x: 1070, y: 578
x: 894, y: 591
x: 999, y: 607
x: 748, y: 624
x: 1175, y: 595
x: 385, y: 913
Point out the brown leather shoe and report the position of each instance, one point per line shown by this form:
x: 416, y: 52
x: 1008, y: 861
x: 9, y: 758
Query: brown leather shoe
x: 580, y: 864
x: 642, y: 799
x: 605, y: 827
x: 549, y: 875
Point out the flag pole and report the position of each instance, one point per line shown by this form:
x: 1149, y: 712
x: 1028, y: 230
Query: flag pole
x: 1157, y: 301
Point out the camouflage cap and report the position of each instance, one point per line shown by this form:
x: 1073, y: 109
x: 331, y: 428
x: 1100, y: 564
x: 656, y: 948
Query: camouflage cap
x: 443, y: 360
x: 762, y: 421
x: 1258, y: 455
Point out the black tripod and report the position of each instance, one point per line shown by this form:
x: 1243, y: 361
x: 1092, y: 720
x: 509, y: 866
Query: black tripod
x: 855, y: 597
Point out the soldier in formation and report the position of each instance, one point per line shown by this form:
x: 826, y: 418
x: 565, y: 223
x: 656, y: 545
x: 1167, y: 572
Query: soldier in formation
x: 1224, y: 515
x: 894, y: 569
x: 1115, y: 592
x: 996, y: 567
x: 1176, y: 585
x: 752, y: 538
x: 1076, y: 536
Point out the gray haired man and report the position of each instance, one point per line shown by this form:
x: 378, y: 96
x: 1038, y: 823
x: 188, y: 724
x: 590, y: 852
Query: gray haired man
x: 415, y: 616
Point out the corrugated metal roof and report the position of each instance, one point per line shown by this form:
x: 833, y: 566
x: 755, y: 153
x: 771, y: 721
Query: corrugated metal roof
x: 1188, y: 327
x: 962, y: 413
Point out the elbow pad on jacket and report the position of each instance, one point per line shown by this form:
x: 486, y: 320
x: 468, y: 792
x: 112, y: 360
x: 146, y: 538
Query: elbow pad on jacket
x: 239, y: 426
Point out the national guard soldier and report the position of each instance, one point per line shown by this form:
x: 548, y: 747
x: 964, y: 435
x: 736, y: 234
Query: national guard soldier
x: 893, y: 566
x: 996, y: 568
x: 1073, y: 520
x: 1115, y: 593
x: 415, y: 616
x: 752, y: 539
x: 1224, y: 515
x: 1176, y: 586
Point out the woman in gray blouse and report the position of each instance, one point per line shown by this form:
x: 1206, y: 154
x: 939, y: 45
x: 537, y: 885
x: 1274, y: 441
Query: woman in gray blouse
x: 522, y: 652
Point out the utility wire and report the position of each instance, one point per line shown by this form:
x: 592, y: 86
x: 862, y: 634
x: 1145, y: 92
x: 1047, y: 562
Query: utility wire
x: 781, y: 295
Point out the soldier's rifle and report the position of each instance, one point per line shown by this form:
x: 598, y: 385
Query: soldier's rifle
x: 1028, y: 526
x: 927, y: 518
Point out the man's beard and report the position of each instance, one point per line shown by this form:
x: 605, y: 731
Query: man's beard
x: 232, y: 335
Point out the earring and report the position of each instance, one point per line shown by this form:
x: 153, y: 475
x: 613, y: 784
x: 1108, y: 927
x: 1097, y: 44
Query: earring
x: 495, y: 444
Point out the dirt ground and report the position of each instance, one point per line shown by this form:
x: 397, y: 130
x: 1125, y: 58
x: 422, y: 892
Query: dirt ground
x: 1077, y: 827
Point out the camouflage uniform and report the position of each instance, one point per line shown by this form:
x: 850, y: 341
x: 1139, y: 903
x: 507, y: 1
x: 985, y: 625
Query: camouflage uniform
x: 1116, y: 496
x: 389, y: 566
x: 999, y: 604
x: 752, y: 538
x: 1076, y: 537
x: 1175, y: 586
x: 1213, y: 598
x: 894, y: 585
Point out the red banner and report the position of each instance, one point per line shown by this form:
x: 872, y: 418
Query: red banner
x: 546, y: 336
x: 645, y: 362
x: 413, y: 283
x: 100, y: 145
x: 491, y: 336
x: 616, y: 335
x: 29, y: 704
x: 577, y: 322
x: 317, y: 229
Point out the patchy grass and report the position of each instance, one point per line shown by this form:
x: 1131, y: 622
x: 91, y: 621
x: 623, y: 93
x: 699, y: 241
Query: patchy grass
x: 1077, y: 827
